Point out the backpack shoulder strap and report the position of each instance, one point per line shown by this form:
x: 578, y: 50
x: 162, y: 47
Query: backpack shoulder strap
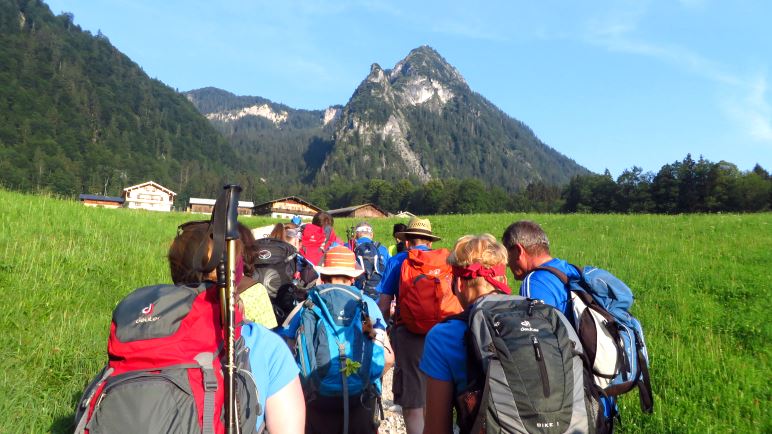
x: 555, y: 272
x: 327, y: 235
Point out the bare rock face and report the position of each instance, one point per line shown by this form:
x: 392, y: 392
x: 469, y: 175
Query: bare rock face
x: 331, y: 115
x: 376, y: 114
x: 263, y: 110
x: 394, y: 130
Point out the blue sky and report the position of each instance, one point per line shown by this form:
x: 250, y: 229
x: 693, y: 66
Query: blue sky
x: 610, y: 84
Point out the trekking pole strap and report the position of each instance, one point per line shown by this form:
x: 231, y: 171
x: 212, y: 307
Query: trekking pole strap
x: 342, y: 358
x: 645, y: 394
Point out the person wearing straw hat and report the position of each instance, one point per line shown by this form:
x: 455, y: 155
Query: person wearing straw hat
x: 409, y: 384
x: 349, y: 318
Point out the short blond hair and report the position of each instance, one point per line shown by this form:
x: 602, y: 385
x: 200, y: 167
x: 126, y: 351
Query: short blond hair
x: 483, y: 249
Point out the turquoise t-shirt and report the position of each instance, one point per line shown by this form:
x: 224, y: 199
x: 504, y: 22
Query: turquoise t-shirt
x: 273, y: 366
x: 445, y: 354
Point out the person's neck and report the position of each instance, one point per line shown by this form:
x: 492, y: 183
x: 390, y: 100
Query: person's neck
x: 539, y: 261
x: 480, y: 295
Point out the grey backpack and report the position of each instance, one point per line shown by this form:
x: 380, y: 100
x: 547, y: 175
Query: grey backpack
x: 526, y: 371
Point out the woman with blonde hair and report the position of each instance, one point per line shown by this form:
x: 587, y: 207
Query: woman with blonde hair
x: 479, y: 269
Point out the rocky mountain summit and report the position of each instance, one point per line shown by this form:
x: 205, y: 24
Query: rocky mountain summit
x: 419, y: 120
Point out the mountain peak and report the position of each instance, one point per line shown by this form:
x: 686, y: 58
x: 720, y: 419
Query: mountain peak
x: 425, y: 61
x: 377, y: 75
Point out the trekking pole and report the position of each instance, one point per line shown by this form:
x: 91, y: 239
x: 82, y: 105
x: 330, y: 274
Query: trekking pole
x: 227, y: 274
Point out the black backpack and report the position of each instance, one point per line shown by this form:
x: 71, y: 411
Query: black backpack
x: 526, y: 371
x: 276, y: 267
x: 372, y: 261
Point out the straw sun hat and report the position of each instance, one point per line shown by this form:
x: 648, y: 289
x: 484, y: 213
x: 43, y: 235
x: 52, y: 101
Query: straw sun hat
x: 418, y: 227
x: 339, y: 261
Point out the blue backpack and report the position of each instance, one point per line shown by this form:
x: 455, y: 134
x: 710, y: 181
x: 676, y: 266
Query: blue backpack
x: 372, y: 261
x: 335, y: 328
x: 612, y: 337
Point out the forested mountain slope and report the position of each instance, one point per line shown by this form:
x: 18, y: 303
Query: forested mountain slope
x: 78, y: 116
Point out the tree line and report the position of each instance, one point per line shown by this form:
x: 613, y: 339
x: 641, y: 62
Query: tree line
x: 686, y: 186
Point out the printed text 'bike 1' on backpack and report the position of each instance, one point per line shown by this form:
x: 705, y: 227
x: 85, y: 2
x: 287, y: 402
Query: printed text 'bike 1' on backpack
x: 425, y: 295
x: 369, y: 256
x: 526, y: 371
x: 612, y: 337
x: 336, y: 351
x: 164, y: 373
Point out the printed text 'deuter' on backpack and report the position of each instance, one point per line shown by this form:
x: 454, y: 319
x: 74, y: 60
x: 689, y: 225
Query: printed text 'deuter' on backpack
x: 612, y: 337
x: 425, y: 294
x: 164, y: 373
x: 526, y: 371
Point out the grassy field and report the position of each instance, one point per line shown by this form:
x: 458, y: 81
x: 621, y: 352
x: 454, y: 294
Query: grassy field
x: 701, y: 284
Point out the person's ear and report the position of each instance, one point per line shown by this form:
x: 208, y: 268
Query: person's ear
x: 519, y: 250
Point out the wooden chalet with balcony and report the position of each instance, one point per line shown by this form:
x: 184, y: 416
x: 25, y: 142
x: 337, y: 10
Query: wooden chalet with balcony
x: 150, y: 196
x: 206, y: 206
x: 287, y: 207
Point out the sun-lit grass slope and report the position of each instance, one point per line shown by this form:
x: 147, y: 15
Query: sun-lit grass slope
x: 701, y: 284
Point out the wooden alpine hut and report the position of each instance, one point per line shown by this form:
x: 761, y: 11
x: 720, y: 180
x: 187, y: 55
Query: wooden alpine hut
x: 368, y: 210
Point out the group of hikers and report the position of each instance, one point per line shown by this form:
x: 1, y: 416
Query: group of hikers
x: 322, y: 320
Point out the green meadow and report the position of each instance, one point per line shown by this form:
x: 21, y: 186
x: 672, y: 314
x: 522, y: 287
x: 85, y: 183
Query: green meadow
x: 702, y: 284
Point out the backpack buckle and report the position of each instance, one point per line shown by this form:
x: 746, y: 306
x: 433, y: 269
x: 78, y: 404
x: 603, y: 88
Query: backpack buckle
x: 206, y: 361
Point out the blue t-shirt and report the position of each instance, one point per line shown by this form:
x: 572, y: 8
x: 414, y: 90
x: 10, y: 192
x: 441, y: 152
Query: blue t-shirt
x: 273, y: 366
x: 545, y: 286
x: 389, y: 285
x: 445, y: 354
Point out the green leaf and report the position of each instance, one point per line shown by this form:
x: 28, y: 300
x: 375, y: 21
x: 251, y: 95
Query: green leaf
x: 351, y: 367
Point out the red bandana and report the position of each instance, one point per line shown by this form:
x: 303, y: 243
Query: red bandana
x: 477, y: 269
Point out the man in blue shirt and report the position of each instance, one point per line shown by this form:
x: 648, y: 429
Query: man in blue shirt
x: 372, y: 257
x: 528, y: 248
x: 409, y: 384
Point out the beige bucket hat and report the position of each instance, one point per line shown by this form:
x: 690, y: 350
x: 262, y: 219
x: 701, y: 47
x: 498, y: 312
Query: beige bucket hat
x: 418, y: 227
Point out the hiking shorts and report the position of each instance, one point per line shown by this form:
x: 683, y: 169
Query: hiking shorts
x: 324, y: 415
x: 409, y: 384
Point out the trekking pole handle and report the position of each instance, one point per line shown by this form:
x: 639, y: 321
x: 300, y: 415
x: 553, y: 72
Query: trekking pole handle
x: 233, y: 192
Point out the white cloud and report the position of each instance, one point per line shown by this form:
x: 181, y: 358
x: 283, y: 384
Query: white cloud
x: 748, y: 106
x: 753, y: 112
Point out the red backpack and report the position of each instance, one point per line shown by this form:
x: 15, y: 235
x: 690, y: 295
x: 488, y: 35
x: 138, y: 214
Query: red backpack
x: 164, y: 372
x: 315, y: 241
x: 425, y: 294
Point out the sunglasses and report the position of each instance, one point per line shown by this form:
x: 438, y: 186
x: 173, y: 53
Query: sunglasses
x: 190, y: 225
